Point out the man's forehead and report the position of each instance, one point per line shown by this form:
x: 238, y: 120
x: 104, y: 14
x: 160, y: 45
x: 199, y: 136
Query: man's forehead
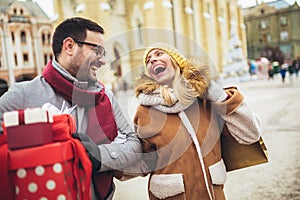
x: 95, y: 36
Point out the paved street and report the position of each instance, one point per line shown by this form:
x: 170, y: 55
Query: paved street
x: 278, y: 106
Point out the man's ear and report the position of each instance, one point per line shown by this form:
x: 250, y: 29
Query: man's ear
x: 68, y: 46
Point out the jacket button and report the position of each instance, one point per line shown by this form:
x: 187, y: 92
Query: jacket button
x: 113, y: 154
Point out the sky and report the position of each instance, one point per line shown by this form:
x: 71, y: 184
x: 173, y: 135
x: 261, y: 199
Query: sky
x: 47, y: 5
x: 249, y: 3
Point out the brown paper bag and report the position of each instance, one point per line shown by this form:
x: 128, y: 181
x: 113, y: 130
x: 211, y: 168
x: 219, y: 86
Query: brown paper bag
x: 237, y: 156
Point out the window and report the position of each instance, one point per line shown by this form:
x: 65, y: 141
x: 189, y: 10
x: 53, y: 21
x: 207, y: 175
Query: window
x: 117, y: 63
x: 46, y: 38
x: 208, y: 8
x: 265, y: 38
x: 45, y: 59
x: 263, y: 24
x: 139, y: 25
x: 284, y: 35
x: 206, y: 14
x: 43, y: 39
x: 269, y: 39
x: 25, y: 58
x: 13, y: 37
x: 23, y: 37
x: 283, y: 20
x: 16, y: 59
x: 49, y: 38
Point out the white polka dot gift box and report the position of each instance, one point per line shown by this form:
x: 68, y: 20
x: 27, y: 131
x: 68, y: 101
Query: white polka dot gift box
x: 55, y: 171
x: 44, y: 172
x: 27, y: 128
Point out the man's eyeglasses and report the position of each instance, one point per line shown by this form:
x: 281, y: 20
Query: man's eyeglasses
x: 99, y: 50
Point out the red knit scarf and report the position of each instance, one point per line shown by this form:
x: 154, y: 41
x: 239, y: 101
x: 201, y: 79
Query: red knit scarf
x: 101, y: 127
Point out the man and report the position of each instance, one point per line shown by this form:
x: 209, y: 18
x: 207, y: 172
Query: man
x: 71, y: 78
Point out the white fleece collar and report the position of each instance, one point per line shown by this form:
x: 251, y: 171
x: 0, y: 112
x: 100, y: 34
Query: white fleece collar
x: 155, y: 100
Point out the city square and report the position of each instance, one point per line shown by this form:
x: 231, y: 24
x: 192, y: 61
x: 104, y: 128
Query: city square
x: 251, y: 45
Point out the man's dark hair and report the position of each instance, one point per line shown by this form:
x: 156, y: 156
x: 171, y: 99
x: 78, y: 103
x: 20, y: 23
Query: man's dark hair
x: 76, y: 28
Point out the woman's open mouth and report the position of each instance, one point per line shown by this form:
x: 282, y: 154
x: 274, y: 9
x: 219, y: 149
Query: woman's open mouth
x: 159, y: 69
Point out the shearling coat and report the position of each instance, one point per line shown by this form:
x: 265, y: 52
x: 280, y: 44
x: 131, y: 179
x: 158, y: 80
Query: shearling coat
x: 177, y: 171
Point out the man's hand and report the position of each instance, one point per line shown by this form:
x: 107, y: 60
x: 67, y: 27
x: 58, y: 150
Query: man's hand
x: 91, y: 148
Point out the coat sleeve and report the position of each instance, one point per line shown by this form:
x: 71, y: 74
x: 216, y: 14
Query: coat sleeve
x: 11, y: 100
x: 142, y: 167
x: 126, y: 149
x: 146, y: 164
x: 240, y: 120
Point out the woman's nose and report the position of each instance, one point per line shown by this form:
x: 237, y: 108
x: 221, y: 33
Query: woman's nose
x: 153, y: 59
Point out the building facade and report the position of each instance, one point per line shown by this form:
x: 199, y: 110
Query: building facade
x: 273, y: 26
x: 193, y: 26
x: 25, y: 41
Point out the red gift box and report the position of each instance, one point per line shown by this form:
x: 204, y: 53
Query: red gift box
x: 44, y: 172
x: 28, y: 128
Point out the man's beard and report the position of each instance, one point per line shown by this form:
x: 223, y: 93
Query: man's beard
x: 84, y: 67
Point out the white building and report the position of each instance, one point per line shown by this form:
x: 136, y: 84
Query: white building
x: 25, y: 41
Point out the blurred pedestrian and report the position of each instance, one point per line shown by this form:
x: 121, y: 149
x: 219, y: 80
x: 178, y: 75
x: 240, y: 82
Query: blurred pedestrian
x: 181, y: 115
x: 291, y: 71
x: 276, y: 67
x: 270, y: 72
x: 252, y: 68
x: 283, y: 69
x: 296, y: 65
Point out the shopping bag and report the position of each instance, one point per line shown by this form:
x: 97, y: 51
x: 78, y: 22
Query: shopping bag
x: 238, y: 156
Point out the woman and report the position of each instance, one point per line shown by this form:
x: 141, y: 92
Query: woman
x: 181, y: 115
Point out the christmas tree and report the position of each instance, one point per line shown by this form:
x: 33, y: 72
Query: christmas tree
x: 236, y: 67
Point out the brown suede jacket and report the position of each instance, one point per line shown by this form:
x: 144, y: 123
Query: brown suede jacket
x: 177, y: 172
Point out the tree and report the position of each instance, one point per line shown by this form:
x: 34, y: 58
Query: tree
x: 236, y: 67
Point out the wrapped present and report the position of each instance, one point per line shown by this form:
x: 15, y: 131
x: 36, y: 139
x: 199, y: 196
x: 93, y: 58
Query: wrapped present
x: 59, y: 170
x: 28, y: 128
x: 46, y: 172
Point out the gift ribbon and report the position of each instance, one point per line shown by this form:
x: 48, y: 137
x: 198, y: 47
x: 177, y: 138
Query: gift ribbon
x: 63, y: 126
x: 21, y: 117
x: 6, y: 188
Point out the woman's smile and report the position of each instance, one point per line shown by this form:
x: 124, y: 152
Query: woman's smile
x: 158, y: 69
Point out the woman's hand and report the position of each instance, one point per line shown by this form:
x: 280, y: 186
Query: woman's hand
x: 215, y: 93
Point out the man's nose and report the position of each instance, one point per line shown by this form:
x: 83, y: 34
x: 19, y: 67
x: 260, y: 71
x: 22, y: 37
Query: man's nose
x: 102, y: 60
